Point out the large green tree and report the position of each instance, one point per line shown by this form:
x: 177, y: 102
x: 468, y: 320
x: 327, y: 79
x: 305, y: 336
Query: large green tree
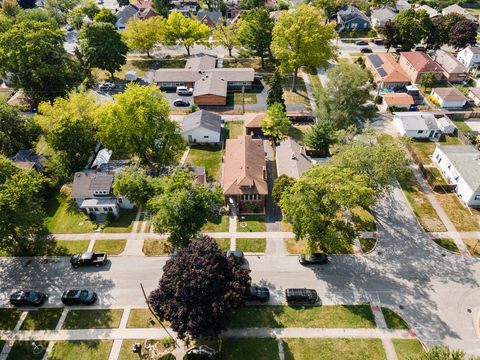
x: 227, y: 36
x: 105, y: 15
x: 182, y: 208
x: 341, y: 102
x: 32, y: 54
x: 301, y: 38
x: 138, y: 124
x: 143, y: 35
x: 275, y: 90
x: 16, y: 131
x: 320, y: 136
x: 276, y: 124
x: 463, y: 33
x: 102, y: 47
x: 135, y: 185
x: 22, y: 227
x: 255, y: 33
x: 442, y: 26
x: 314, y: 202
x: 162, y: 7
x: 185, y: 31
x: 411, y: 27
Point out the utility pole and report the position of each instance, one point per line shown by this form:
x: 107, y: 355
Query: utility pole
x: 243, y: 99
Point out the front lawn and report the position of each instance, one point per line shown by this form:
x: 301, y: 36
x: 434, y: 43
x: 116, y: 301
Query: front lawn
x: 251, y: 245
x: 447, y: 243
x: 420, y: 204
x: 23, y: 350
x: 42, y: 319
x: 142, y: 318
x: 156, y: 247
x: 223, y: 243
x: 69, y: 247
x: 393, y: 320
x: 81, y: 350
x: 253, y: 348
x: 457, y: 213
x: 123, y: 224
x: 210, y: 157
x: 407, y: 349
x: 296, y: 247
x: 251, y: 223
x: 63, y: 216
x: 462, y: 126
x: 363, y: 220
x: 367, y: 244
x: 473, y: 246
x: 93, y: 319
x: 221, y: 224
x: 162, y: 346
x: 111, y: 247
x: 237, y: 98
x: 234, y: 129
x: 333, y: 349
x: 299, y: 96
x: 9, y: 318
x: 326, y: 316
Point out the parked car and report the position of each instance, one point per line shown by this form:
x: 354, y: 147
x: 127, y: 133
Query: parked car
x: 181, y: 102
x: 106, y: 86
x: 365, y: 50
x: 301, y: 296
x: 378, y: 41
x: 88, y: 259
x: 313, y: 259
x: 28, y: 298
x: 236, y: 255
x: 258, y: 293
x: 420, y: 48
x: 79, y: 297
x: 184, y: 91
x: 361, y: 42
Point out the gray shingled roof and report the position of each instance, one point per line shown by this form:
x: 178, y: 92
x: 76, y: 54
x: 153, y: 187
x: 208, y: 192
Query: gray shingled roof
x: 86, y: 182
x: 417, y: 120
x: 348, y: 13
x: 202, y: 118
x: 383, y: 14
x: 292, y: 159
x: 448, y: 62
x: 211, y: 84
x: 466, y: 160
x: 126, y: 13
x: 201, y: 62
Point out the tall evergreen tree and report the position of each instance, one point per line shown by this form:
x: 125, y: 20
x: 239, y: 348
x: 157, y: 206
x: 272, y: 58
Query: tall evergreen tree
x: 275, y: 90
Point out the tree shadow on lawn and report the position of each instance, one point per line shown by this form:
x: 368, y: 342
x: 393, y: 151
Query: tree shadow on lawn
x: 93, y: 319
x: 401, y: 273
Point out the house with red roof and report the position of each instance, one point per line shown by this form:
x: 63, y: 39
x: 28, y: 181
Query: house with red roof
x: 417, y: 63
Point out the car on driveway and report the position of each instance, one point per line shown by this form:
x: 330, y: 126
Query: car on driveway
x: 313, y: 259
x: 366, y: 50
x: 181, y: 103
x: 184, y: 91
x: 27, y: 298
x: 361, y: 42
x: 79, y: 297
x: 235, y: 255
x: 106, y: 86
x: 258, y: 293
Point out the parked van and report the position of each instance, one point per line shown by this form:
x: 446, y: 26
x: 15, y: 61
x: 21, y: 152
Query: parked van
x: 184, y: 91
x: 301, y: 296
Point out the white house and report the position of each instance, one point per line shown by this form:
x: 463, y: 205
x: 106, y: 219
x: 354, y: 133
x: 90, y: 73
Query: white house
x: 202, y: 127
x: 474, y: 94
x: 460, y: 165
x: 417, y: 125
x: 469, y: 57
x: 402, y: 5
x: 446, y: 125
x: 449, y: 98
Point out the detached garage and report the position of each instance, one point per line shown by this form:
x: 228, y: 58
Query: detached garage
x: 202, y: 127
x: 211, y: 89
x: 449, y: 98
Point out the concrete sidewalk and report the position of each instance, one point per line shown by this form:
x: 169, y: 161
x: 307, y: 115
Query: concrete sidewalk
x: 157, y: 333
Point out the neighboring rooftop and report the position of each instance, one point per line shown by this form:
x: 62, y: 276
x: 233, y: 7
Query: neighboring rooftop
x: 201, y: 62
x: 448, y: 62
x: 202, y: 118
x: 387, y: 67
x: 449, y: 94
x: 292, y: 159
x: 26, y: 159
x: 126, y: 13
x: 383, y: 14
x: 254, y: 123
x: 457, y: 9
x: 417, y: 120
x: 244, y: 166
x: 475, y: 91
x: 421, y: 61
x: 349, y: 13
x: 466, y: 160
x: 430, y: 11
x: 398, y: 99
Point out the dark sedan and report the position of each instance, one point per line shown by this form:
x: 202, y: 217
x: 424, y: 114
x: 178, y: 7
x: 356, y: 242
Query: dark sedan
x: 181, y: 103
x: 361, y: 42
x: 258, y: 293
x: 313, y: 259
x: 79, y: 297
x: 27, y: 298
x: 366, y: 50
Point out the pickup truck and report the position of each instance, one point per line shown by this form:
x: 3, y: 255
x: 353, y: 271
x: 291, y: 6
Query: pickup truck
x: 88, y: 259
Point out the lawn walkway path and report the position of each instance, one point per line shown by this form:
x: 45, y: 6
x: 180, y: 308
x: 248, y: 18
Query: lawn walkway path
x: 155, y: 333
x: 309, y: 89
x: 134, y: 246
x: 441, y: 213
x: 381, y: 324
x: 8, y: 345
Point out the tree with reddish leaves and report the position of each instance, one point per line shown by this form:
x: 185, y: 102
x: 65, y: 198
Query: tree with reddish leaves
x: 388, y: 32
x: 198, y: 289
x: 463, y: 33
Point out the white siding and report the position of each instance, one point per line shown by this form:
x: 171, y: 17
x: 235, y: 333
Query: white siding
x: 449, y: 104
x: 201, y: 135
x: 424, y: 134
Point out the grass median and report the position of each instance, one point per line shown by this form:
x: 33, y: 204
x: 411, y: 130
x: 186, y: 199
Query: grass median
x: 81, y: 350
x: 251, y: 245
x: 326, y: 316
x: 93, y: 319
x: 393, y: 320
x: 407, y: 349
x: 9, y: 318
x: 111, y: 247
x: 42, y: 319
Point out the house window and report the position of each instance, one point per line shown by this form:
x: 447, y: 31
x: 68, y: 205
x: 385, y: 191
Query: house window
x: 206, y: 137
x: 420, y: 131
x: 110, y: 209
x: 105, y: 209
x: 477, y: 197
x: 95, y: 209
x: 120, y: 200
